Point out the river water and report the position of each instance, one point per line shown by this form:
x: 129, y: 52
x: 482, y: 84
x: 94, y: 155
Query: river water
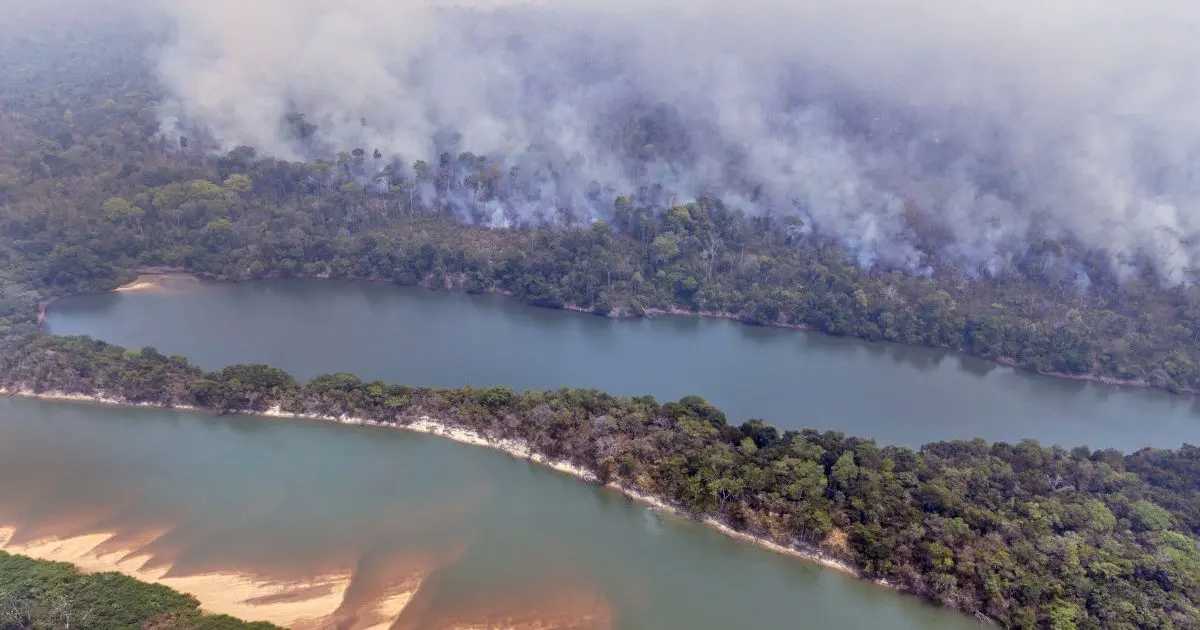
x: 483, y: 538
x: 896, y: 394
x: 344, y: 525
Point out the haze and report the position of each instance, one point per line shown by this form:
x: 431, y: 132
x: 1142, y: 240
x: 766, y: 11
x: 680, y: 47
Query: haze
x: 914, y: 133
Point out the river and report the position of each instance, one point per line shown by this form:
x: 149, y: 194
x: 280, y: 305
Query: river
x: 307, y: 518
x: 895, y: 394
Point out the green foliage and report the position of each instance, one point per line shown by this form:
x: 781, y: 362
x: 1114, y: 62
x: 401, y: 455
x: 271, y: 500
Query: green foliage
x: 118, y: 210
x: 845, y: 471
x: 239, y: 183
x: 496, y: 397
x: 1063, y: 616
x: 39, y: 595
x: 1149, y: 517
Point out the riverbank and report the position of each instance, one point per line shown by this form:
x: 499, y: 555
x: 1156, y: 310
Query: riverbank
x: 312, y: 603
x: 38, y: 593
x: 521, y: 450
x: 155, y: 280
x: 301, y: 604
x: 514, y: 448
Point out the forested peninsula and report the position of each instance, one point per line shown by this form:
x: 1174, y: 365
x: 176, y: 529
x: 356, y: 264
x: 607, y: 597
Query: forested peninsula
x: 1021, y: 534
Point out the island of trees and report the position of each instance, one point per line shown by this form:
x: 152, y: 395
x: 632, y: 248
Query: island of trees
x: 1022, y: 534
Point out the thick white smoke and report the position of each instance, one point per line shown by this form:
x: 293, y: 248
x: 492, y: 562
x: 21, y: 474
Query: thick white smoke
x: 977, y: 127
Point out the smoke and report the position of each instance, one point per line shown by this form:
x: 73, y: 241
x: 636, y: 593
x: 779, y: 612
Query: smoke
x: 964, y: 130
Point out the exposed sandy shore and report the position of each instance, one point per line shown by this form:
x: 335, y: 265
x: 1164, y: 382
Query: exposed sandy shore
x: 515, y: 448
x: 389, y: 609
x: 137, y: 285
x: 288, y: 603
x: 521, y: 450
x: 86, y: 398
x: 155, y: 281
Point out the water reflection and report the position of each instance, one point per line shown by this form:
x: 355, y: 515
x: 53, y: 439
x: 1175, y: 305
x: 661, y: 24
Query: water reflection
x: 977, y: 367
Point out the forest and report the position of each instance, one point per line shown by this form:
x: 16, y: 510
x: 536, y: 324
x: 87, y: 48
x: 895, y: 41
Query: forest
x: 1021, y: 534
x: 40, y: 595
x: 1028, y: 536
x: 91, y: 192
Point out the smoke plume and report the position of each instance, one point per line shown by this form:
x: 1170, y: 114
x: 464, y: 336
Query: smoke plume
x: 902, y: 128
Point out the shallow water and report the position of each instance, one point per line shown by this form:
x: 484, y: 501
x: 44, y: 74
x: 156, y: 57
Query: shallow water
x: 896, y: 394
x: 488, y: 537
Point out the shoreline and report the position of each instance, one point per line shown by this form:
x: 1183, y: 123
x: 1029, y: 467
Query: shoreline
x: 1109, y: 381
x: 151, y: 280
x: 514, y: 448
x: 143, y: 282
x: 301, y: 604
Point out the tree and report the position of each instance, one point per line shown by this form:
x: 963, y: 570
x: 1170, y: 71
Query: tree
x: 239, y: 183
x: 1147, y: 516
x: 666, y: 248
x: 218, y: 234
x: 120, y: 211
x: 845, y: 471
x: 726, y: 489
